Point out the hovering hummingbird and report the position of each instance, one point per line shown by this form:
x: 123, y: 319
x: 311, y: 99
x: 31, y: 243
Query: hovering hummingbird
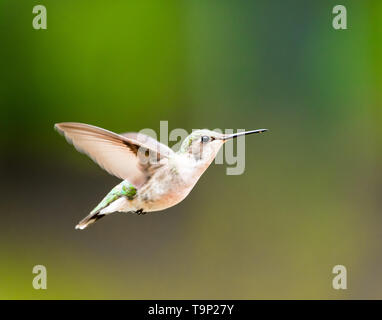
x: 154, y: 176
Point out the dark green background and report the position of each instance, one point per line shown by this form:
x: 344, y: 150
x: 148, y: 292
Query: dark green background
x: 308, y: 200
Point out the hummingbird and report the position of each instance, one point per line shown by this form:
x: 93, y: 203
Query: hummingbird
x: 154, y: 176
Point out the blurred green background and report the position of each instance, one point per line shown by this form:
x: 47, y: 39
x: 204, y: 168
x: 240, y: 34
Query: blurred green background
x: 310, y: 195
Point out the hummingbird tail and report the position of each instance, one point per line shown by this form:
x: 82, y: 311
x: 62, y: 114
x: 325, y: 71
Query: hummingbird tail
x: 114, y: 201
x: 91, y: 218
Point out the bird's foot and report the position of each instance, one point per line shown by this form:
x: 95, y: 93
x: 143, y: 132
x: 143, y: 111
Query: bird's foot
x: 140, y: 211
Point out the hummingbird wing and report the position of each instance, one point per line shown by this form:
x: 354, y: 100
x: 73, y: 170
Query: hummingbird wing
x: 117, y: 154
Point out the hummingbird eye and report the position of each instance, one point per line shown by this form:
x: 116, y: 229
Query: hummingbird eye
x: 205, y: 139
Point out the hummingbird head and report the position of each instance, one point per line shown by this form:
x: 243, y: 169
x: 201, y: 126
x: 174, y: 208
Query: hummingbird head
x: 203, y: 145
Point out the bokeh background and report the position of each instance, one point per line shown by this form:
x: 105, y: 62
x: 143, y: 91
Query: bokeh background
x: 310, y: 197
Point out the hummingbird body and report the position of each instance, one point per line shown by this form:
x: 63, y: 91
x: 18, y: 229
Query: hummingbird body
x: 154, y: 177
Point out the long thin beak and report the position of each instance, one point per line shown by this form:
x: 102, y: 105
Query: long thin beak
x: 235, y: 135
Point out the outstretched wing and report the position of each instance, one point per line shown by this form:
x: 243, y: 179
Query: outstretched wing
x: 119, y: 155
